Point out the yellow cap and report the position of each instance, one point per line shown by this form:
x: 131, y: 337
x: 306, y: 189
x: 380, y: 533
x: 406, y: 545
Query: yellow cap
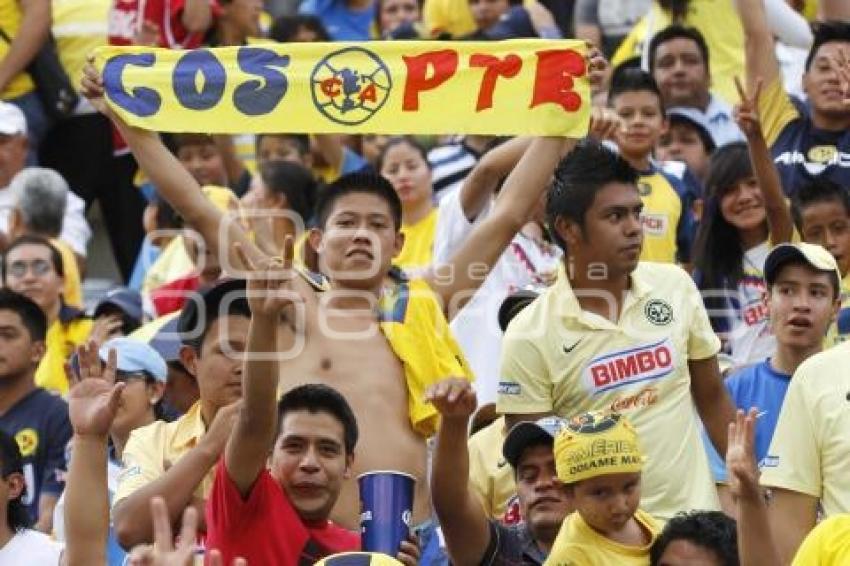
x: 594, y: 444
x: 358, y: 559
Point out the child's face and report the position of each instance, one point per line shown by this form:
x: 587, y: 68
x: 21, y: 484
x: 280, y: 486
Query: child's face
x: 277, y: 148
x: 487, y: 12
x: 802, y: 304
x: 681, y: 142
x: 607, y: 502
x: 372, y: 145
x: 827, y: 223
x: 743, y: 206
x: 204, y: 163
x: 643, y: 122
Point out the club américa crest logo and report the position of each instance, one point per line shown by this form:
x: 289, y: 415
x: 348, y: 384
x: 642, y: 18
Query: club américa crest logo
x: 658, y: 312
x: 349, y: 86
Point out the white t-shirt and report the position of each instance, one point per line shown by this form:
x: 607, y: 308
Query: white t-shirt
x: 31, y: 548
x: 750, y: 338
x: 476, y: 327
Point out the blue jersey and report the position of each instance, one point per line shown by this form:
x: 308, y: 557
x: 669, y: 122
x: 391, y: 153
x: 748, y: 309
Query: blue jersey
x: 761, y: 386
x: 342, y: 23
x: 39, y: 423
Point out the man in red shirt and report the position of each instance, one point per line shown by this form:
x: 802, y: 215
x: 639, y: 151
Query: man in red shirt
x: 279, y: 514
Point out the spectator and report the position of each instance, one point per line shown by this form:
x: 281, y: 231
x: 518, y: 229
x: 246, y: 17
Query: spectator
x: 827, y: 544
x: 530, y: 262
x: 405, y: 164
x: 814, y: 143
x: 19, y: 544
x: 667, y: 221
x: 448, y: 18
x: 743, y: 218
x: 141, y: 371
x: 325, y: 155
x: 471, y: 537
x: 13, y: 143
x: 486, y: 14
x: 120, y: 312
x: 345, y: 20
x: 399, y: 19
x: 564, y: 352
x: 697, y: 537
x: 37, y: 420
x: 452, y: 162
x: 679, y: 63
x: 25, y: 27
x: 33, y: 267
x: 299, y: 28
x: 175, y: 460
x: 605, y: 23
x: 41, y: 200
x: 802, y: 297
x: 200, y: 155
x: 688, y: 140
x: 181, y: 388
x: 294, y: 490
x: 821, y: 212
x: 805, y: 464
x: 607, y: 526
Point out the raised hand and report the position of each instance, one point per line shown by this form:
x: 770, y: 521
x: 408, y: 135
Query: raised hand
x: 746, y: 112
x: 453, y: 397
x: 104, y: 327
x: 269, y: 283
x: 597, y: 68
x: 93, y: 400
x: 604, y: 123
x: 92, y: 88
x: 221, y: 427
x: 741, y: 465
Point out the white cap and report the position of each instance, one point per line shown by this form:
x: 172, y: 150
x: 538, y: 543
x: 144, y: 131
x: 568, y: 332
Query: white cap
x: 12, y: 120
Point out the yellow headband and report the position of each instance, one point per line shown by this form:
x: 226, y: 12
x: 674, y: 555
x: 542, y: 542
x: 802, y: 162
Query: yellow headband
x: 595, y: 444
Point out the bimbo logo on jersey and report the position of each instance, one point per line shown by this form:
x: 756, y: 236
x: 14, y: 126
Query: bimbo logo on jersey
x: 626, y: 367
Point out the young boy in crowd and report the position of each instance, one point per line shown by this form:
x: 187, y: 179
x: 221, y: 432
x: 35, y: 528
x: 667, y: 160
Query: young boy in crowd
x: 688, y: 140
x: 599, y: 459
x: 667, y: 221
x: 703, y: 538
x: 325, y: 155
x: 803, y: 294
x: 821, y: 212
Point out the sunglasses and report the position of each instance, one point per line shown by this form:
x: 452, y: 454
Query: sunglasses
x: 39, y: 267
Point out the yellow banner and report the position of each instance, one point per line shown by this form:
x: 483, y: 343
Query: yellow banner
x: 529, y: 86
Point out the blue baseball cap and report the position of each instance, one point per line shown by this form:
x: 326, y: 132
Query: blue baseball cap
x: 127, y: 300
x: 135, y: 356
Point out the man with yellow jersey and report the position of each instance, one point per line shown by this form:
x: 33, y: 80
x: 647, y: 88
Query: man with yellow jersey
x: 806, y: 142
x: 619, y: 335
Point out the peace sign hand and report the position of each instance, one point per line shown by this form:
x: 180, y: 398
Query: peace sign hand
x: 742, y: 468
x: 747, y: 111
x: 270, y: 281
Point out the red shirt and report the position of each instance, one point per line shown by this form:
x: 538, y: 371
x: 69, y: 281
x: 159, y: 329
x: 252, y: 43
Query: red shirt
x: 265, y: 528
x: 126, y: 17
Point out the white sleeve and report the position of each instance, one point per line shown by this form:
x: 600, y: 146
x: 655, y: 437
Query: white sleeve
x: 76, y: 231
x: 453, y: 227
x: 790, y: 27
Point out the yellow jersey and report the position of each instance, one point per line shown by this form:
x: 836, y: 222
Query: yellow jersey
x: 809, y: 450
x: 490, y: 475
x: 558, y: 358
x: 663, y: 217
x: 418, y: 250
x: 827, y: 544
x: 578, y: 544
x: 63, y: 337
x: 79, y: 26
x: 72, y: 290
x: 10, y: 21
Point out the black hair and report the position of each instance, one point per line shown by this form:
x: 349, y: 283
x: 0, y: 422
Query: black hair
x: 301, y: 141
x: 293, y: 181
x: 711, y: 530
x: 678, y: 31
x: 11, y: 462
x: 285, y: 28
x: 33, y: 239
x: 358, y: 182
x: 678, y: 8
x: 229, y: 295
x: 187, y: 139
x: 402, y: 140
x: 316, y: 398
x: 827, y: 32
x: 704, y: 135
x: 817, y: 191
x: 166, y: 217
x: 631, y: 79
x: 32, y: 317
x: 718, y: 252
x: 578, y: 177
